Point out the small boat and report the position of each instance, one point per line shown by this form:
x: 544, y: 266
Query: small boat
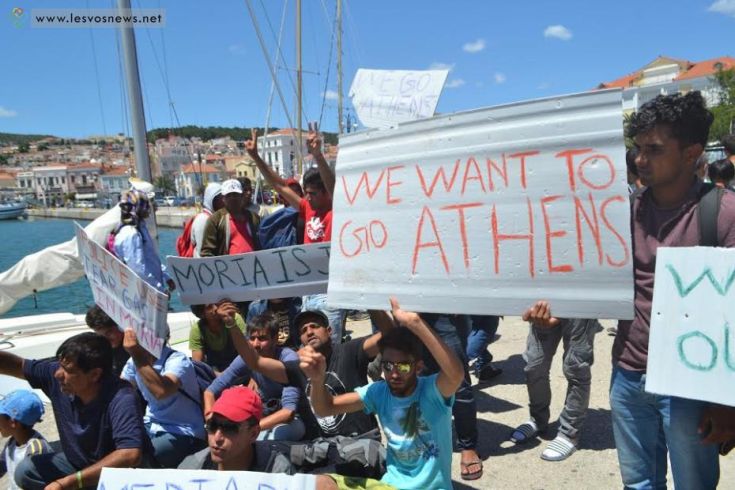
x: 12, y: 210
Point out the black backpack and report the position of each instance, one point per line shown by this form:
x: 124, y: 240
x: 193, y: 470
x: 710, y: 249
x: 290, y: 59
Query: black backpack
x: 204, y: 376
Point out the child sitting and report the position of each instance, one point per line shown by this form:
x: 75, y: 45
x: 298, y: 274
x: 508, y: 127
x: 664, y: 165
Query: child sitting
x: 19, y: 412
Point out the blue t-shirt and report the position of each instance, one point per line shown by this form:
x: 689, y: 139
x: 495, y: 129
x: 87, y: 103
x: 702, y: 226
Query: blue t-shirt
x: 175, y: 414
x: 274, y: 395
x: 418, y: 429
x: 90, y: 432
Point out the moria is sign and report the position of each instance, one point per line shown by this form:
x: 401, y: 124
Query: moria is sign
x: 487, y: 211
x: 691, y: 348
x: 128, y: 299
x: 274, y: 273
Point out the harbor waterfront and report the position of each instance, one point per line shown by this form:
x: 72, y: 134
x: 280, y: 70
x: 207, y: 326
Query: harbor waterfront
x: 24, y: 237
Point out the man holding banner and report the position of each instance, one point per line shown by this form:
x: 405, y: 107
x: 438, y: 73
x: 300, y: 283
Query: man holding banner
x: 315, y: 210
x: 670, y: 133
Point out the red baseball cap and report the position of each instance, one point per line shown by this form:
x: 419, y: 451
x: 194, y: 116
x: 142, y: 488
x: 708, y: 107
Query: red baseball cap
x: 238, y: 404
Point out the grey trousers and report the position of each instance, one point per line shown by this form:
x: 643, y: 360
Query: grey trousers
x: 578, y: 339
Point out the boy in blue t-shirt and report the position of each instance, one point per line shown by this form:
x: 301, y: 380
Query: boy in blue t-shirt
x: 415, y: 412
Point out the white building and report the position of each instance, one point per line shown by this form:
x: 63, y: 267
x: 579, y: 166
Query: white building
x: 114, y: 181
x: 669, y: 76
x: 279, y: 150
x: 172, y: 153
x: 193, y: 177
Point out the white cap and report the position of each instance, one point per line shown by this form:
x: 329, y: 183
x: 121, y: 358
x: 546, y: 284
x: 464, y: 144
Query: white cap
x: 230, y: 186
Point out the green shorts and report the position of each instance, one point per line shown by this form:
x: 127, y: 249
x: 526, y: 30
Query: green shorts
x: 351, y: 483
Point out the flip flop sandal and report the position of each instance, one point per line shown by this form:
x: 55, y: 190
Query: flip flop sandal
x: 559, y: 449
x: 474, y: 475
x: 524, y: 433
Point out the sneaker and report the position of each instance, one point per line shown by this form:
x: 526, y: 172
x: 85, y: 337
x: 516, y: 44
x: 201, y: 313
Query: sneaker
x: 489, y: 372
x: 559, y: 449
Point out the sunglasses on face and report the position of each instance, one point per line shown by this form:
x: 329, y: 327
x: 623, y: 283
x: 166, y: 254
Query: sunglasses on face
x: 402, y: 367
x: 227, y: 428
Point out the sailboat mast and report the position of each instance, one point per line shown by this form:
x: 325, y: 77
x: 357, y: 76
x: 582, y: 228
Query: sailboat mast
x: 298, y: 85
x: 135, y: 97
x: 338, y: 20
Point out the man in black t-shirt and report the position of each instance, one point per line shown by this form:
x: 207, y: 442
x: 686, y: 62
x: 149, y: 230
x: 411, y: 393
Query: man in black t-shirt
x: 346, y: 367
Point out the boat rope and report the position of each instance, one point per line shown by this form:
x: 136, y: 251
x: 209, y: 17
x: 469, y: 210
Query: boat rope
x: 97, y: 79
x: 271, y: 69
x: 329, y: 66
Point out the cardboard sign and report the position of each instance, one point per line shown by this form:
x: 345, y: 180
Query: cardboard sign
x: 123, y: 295
x: 128, y: 479
x: 276, y: 273
x: 485, y: 212
x: 384, y: 98
x: 691, y: 348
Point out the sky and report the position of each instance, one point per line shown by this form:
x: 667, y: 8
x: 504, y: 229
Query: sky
x: 207, y: 63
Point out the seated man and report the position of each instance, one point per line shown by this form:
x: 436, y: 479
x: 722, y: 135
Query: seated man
x: 284, y: 310
x: 284, y: 406
x: 97, y: 414
x: 232, y: 428
x: 103, y: 325
x: 347, y: 369
x: 415, y: 412
x: 169, y: 386
x: 208, y: 339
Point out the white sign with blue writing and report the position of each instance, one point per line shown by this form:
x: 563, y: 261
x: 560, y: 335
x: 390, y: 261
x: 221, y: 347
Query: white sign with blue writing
x: 126, y: 478
x: 690, y: 350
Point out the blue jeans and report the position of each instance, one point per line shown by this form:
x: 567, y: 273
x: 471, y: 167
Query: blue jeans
x: 484, y: 328
x: 336, y: 316
x: 36, y: 472
x: 645, y: 426
x: 170, y: 449
x: 292, y: 431
x: 453, y: 330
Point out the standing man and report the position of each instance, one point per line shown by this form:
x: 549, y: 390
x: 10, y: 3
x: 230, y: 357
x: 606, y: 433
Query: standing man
x: 315, y: 210
x: 97, y: 415
x: 213, y: 202
x: 233, y: 229
x: 670, y: 133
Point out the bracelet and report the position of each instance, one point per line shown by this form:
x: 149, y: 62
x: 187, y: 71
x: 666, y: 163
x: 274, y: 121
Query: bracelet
x: 80, y: 483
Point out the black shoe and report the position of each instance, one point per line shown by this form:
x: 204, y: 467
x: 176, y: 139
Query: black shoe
x: 489, y: 372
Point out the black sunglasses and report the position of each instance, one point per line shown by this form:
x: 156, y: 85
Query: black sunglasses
x: 228, y: 428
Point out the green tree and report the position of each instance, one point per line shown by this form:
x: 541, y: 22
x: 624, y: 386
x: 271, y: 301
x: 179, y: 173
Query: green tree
x: 24, y: 148
x: 165, y: 184
x: 3, y: 160
x: 724, y: 112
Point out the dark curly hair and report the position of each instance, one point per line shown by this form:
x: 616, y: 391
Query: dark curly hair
x: 313, y: 178
x: 721, y: 171
x: 88, y: 351
x: 686, y: 116
x: 728, y: 141
x: 402, y: 340
x: 266, y: 322
x: 96, y: 319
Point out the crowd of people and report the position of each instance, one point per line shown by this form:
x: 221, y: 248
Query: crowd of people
x: 277, y: 386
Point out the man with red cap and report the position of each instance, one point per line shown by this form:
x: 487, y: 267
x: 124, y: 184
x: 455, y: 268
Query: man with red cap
x: 232, y: 428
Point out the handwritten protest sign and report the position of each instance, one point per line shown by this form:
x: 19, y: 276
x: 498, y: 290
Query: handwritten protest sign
x: 275, y: 273
x: 384, y: 98
x: 690, y: 348
x: 128, y: 479
x: 129, y: 300
x: 487, y: 211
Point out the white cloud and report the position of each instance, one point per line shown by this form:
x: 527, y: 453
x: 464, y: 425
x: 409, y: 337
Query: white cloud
x: 500, y: 78
x: 441, y: 66
x: 475, y: 46
x: 543, y: 85
x: 237, y: 49
x: 454, y: 83
x: 330, y: 95
x: 726, y: 7
x: 559, y: 32
x: 7, y: 112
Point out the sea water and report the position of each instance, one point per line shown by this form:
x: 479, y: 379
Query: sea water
x: 19, y: 238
